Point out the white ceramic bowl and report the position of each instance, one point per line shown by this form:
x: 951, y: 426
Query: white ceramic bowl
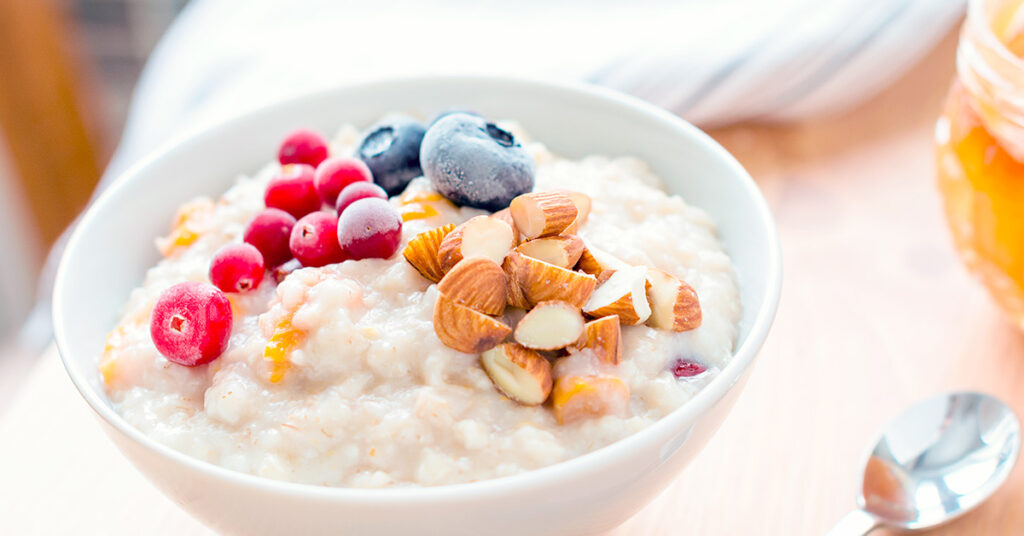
x: 112, y: 247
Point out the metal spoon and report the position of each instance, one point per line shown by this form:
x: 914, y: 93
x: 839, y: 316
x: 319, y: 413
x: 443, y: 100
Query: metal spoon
x: 934, y: 463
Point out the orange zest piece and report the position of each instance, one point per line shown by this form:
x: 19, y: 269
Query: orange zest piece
x: 183, y: 231
x: 417, y: 211
x: 280, y: 346
x: 108, y: 368
x: 183, y: 237
x: 419, y: 196
x: 108, y: 363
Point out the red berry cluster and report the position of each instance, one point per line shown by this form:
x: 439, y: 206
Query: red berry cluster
x: 191, y: 322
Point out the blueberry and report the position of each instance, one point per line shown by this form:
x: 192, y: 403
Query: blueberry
x: 391, y: 149
x: 475, y: 163
x: 451, y: 111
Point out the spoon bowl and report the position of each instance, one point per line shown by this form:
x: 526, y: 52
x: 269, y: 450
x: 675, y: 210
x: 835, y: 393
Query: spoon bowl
x: 935, y: 462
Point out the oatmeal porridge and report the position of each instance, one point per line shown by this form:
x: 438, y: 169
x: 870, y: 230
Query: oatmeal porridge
x: 481, y: 307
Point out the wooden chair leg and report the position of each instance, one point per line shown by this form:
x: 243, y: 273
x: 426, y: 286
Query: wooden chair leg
x: 45, y: 114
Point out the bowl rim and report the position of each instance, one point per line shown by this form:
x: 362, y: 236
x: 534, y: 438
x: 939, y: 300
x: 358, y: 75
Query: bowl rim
x: 742, y: 357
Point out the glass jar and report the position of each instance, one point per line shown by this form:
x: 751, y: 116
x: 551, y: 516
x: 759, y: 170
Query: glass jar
x: 980, y: 150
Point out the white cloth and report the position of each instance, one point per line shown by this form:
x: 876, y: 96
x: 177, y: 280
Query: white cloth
x: 711, y: 61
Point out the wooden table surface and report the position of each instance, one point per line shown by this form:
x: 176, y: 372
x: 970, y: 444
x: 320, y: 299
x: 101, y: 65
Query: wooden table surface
x: 876, y: 313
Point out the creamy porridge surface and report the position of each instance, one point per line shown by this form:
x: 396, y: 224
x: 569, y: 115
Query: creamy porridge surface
x: 371, y: 397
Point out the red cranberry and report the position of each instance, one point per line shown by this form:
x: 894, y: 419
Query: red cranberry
x: 302, y: 146
x: 359, y: 190
x: 314, y: 240
x: 334, y: 174
x: 269, y: 231
x: 370, y: 228
x: 292, y: 191
x: 685, y: 368
x: 191, y: 323
x: 236, y: 268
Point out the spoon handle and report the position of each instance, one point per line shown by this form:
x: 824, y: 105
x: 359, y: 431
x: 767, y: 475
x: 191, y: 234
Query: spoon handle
x: 856, y: 523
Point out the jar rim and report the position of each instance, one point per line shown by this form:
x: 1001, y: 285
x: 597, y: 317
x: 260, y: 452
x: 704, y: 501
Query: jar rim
x: 979, y: 20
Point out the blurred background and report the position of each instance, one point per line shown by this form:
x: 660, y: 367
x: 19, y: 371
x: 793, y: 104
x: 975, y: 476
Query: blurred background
x: 67, y: 70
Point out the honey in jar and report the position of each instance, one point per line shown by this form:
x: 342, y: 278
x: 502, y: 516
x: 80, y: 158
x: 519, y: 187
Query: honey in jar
x: 980, y: 149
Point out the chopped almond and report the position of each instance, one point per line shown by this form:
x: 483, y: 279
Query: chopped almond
x: 481, y: 236
x: 624, y: 294
x: 513, y: 292
x: 551, y: 325
x: 542, y: 213
x: 505, y: 215
x: 582, y: 202
x: 421, y: 252
x: 477, y: 283
x: 575, y: 398
x: 541, y: 281
x: 674, y: 304
x: 595, y: 261
x: 466, y: 330
x: 519, y: 373
x: 603, y: 337
x: 563, y: 251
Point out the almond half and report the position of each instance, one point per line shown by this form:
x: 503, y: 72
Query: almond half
x: 624, y: 294
x: 563, y: 251
x: 466, y: 330
x: 541, y: 281
x: 574, y: 398
x: 513, y: 292
x: 674, y: 304
x: 603, y: 337
x: 594, y: 261
x: 519, y: 373
x: 477, y: 283
x: 582, y: 202
x: 481, y: 236
x: 421, y: 252
x: 542, y: 213
x: 550, y: 325
x: 505, y: 215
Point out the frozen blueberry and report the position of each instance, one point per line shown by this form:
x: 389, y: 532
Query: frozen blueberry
x: 391, y: 149
x: 475, y: 163
x: 451, y: 111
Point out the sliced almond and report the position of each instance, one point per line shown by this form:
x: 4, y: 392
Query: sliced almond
x: 674, y: 304
x: 477, y: 283
x: 582, y: 202
x: 466, y: 330
x: 482, y: 236
x: 421, y: 252
x: 603, y: 337
x: 624, y: 294
x: 561, y: 251
x: 513, y: 292
x: 550, y: 325
x: 519, y: 373
x: 542, y: 213
x: 594, y: 261
x: 541, y: 281
x: 574, y: 398
x: 505, y: 215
